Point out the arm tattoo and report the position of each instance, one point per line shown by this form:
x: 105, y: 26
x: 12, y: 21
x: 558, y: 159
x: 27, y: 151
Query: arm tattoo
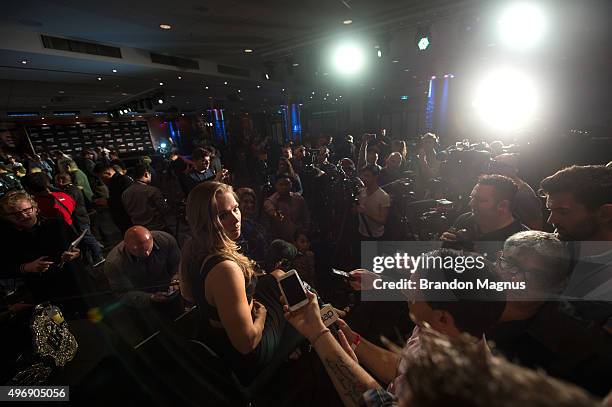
x: 348, y: 385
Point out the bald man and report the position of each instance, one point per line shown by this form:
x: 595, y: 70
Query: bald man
x: 527, y: 206
x: 142, y: 266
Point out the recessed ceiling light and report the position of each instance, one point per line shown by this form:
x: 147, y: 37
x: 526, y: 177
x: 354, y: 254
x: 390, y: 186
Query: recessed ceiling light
x: 258, y: 86
x: 161, y: 84
x: 239, y: 91
x: 172, y: 96
x: 180, y: 77
x: 182, y: 114
x: 114, y: 71
x: 99, y: 78
x: 395, y: 61
x: 248, y: 50
x: 24, y: 62
x: 165, y: 26
x: 225, y: 83
x: 347, y: 22
x: 295, y: 64
x: 107, y: 101
x: 283, y: 89
x: 205, y: 87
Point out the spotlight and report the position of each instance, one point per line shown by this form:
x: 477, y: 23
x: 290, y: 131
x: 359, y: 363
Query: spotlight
x: 423, y: 38
x: 160, y: 101
x: 522, y: 25
x: 348, y: 59
x: 506, y: 100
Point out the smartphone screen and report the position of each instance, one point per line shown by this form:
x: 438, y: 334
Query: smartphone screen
x: 293, y: 290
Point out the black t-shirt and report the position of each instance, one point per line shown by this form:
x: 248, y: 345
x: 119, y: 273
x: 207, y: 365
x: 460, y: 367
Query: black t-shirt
x: 490, y: 242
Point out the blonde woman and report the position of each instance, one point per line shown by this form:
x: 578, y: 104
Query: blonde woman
x: 241, y: 315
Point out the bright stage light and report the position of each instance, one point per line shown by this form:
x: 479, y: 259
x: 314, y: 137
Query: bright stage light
x: 348, y: 59
x: 506, y: 100
x: 522, y: 25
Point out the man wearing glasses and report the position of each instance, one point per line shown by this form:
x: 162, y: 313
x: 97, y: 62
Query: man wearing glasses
x: 35, y: 249
x: 538, y: 328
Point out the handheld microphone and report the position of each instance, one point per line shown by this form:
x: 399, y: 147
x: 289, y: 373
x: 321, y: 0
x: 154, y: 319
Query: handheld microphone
x: 329, y: 316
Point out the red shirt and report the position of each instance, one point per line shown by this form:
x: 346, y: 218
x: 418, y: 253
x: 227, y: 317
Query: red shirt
x: 56, y: 205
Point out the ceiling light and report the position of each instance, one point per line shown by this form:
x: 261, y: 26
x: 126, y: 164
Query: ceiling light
x: 99, y: 78
x: 267, y: 76
x: 295, y: 64
x: 160, y: 101
x: 24, y: 62
x: 347, y: 22
x: 161, y: 84
x: 348, y: 59
x: 165, y: 26
x: 172, y: 96
x: 248, y: 50
x: 239, y: 91
x: 522, y: 25
x: 258, y: 86
x: 379, y: 53
x: 179, y: 78
x: 114, y: 71
x: 225, y: 83
x: 60, y: 91
x: 395, y: 61
x: 206, y: 87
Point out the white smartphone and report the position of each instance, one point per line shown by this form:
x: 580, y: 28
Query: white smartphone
x: 293, y: 290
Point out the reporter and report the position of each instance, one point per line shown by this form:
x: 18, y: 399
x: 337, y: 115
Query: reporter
x: 349, y: 379
x: 37, y: 251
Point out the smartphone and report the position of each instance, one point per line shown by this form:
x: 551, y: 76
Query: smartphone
x: 341, y: 273
x: 293, y: 290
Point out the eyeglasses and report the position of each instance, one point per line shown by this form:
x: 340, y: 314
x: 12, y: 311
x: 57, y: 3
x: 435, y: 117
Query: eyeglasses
x: 23, y: 212
x: 509, y: 266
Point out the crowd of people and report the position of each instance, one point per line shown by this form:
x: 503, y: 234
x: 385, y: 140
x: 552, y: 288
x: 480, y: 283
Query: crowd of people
x: 263, y: 209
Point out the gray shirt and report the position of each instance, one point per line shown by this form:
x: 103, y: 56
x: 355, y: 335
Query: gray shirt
x: 135, y: 278
x: 145, y: 205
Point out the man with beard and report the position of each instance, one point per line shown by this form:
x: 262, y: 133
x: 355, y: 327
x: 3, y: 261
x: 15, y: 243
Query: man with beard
x: 580, y: 202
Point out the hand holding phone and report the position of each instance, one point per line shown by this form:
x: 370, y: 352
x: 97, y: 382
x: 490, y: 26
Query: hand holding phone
x: 293, y: 291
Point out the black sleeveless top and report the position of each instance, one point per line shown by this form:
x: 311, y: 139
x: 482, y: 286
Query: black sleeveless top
x: 198, y: 278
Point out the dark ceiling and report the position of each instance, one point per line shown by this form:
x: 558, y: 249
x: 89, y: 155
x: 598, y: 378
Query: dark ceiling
x: 282, y: 33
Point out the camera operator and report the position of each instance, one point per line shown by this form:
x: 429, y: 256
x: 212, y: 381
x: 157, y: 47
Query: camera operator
x: 490, y: 218
x: 392, y: 170
x: 374, y: 204
x: 367, y: 155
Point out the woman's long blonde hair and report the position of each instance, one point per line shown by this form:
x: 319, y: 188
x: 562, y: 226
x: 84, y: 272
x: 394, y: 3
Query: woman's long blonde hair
x: 208, y: 235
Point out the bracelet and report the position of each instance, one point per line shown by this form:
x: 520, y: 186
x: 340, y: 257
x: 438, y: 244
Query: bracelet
x: 319, y: 335
x: 356, y: 340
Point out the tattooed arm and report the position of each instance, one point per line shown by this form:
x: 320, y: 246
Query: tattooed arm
x: 350, y: 380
